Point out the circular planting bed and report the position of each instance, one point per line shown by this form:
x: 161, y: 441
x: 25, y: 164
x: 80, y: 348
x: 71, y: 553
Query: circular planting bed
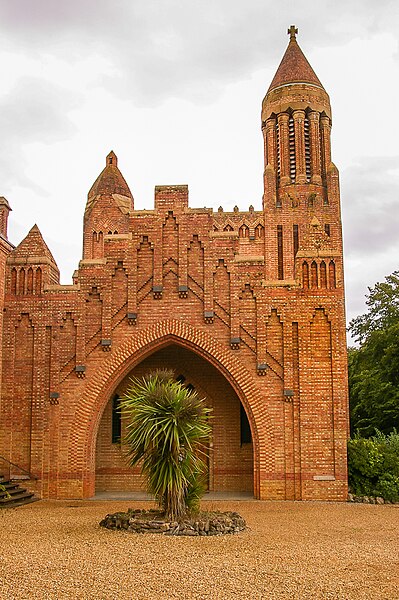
x: 153, y: 521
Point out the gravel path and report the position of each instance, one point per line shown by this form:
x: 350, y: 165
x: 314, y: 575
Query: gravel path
x: 295, y: 550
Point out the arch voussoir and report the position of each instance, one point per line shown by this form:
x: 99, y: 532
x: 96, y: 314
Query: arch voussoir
x: 132, y: 352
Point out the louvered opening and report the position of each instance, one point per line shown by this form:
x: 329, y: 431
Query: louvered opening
x: 278, y: 153
x: 307, y: 150
x: 291, y: 134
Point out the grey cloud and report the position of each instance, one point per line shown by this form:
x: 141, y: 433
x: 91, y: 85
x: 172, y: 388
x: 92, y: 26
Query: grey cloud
x: 371, y: 206
x: 33, y: 110
x: 186, y: 49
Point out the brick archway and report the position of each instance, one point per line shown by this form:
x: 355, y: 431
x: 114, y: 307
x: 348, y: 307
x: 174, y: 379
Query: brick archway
x: 132, y: 352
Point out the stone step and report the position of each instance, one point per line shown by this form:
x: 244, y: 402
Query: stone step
x: 18, y: 496
x: 13, y: 495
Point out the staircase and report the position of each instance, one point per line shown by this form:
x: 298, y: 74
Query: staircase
x: 14, y: 495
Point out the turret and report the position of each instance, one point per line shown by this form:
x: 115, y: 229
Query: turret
x: 300, y: 181
x: 109, y: 204
x: 31, y: 266
x: 4, y: 212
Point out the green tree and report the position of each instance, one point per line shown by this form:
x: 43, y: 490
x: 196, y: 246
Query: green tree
x: 374, y: 365
x: 373, y: 465
x: 167, y: 428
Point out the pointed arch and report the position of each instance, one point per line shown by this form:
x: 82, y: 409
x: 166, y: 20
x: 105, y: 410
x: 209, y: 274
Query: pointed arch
x: 331, y: 275
x: 38, y: 281
x: 87, y: 417
x: 21, y: 282
x: 29, y: 284
x: 305, y: 275
x: 313, y: 275
x: 14, y: 280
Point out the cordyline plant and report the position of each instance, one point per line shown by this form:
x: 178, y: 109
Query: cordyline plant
x: 168, y: 426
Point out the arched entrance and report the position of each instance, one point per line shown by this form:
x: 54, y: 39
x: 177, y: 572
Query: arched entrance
x: 230, y: 463
x: 107, y: 375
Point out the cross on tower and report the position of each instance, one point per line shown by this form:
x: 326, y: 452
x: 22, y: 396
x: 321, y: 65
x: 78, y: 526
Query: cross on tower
x: 292, y: 31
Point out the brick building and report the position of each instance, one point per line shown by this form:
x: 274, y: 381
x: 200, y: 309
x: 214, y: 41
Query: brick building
x: 246, y: 307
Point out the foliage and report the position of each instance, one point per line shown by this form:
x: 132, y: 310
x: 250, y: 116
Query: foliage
x: 383, y: 309
x: 374, y: 366
x: 167, y: 427
x: 374, y: 465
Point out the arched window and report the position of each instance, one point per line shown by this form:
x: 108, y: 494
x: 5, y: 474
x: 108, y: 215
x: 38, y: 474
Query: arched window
x: 38, y: 281
x: 305, y: 275
x: 307, y: 149
x: 116, y: 420
x: 228, y: 228
x: 331, y: 275
x: 323, y: 274
x: 29, y: 285
x: 14, y: 281
x: 291, y: 134
x: 245, y: 429
x: 313, y: 275
x: 259, y: 231
x: 243, y: 232
x: 21, y: 287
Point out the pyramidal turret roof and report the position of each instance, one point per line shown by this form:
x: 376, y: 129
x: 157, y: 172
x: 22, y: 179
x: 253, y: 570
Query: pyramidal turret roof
x: 294, y: 66
x: 110, y: 180
x: 33, y: 245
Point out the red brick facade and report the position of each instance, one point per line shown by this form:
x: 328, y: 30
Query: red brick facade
x: 247, y: 307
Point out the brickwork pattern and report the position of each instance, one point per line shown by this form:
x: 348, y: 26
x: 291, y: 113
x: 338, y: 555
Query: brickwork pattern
x: 248, y: 306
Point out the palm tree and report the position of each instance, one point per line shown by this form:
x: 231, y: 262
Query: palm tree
x: 167, y: 428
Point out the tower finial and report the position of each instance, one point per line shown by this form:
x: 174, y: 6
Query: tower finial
x: 292, y: 31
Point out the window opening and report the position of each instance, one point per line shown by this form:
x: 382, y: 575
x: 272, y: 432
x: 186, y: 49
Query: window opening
x: 280, y: 264
x: 245, y: 429
x: 307, y: 150
x: 116, y: 420
x: 291, y: 134
x: 296, y: 239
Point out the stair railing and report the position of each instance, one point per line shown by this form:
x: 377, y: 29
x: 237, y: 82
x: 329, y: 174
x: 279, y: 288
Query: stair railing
x: 10, y: 463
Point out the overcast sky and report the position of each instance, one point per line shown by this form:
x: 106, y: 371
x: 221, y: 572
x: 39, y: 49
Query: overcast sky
x: 175, y: 89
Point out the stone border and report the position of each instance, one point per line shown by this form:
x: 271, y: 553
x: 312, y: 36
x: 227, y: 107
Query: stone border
x: 369, y: 499
x: 153, y: 521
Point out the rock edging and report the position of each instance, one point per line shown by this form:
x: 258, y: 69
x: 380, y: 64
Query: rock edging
x: 152, y: 521
x: 368, y: 499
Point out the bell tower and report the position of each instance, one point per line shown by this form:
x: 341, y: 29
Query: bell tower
x: 301, y: 191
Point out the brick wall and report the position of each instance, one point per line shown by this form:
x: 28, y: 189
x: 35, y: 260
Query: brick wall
x: 247, y: 305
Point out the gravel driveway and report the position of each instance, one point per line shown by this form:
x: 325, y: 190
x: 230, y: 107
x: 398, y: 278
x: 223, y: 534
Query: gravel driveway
x: 292, y: 550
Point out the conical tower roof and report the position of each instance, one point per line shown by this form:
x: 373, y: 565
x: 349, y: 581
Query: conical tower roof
x: 33, y: 246
x: 294, y: 66
x: 295, y: 85
x: 110, y: 180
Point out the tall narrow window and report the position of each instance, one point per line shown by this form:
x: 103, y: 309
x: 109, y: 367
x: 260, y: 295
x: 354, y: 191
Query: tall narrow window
x: 116, y: 420
x: 29, y: 285
x: 245, y: 429
x: 307, y: 150
x: 21, y: 281
x: 38, y: 281
x: 280, y: 263
x: 14, y: 281
x: 291, y: 131
x: 323, y: 274
x: 313, y: 275
x: 331, y: 275
x: 295, y: 239
x: 327, y: 228
x: 305, y: 275
x: 278, y: 152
